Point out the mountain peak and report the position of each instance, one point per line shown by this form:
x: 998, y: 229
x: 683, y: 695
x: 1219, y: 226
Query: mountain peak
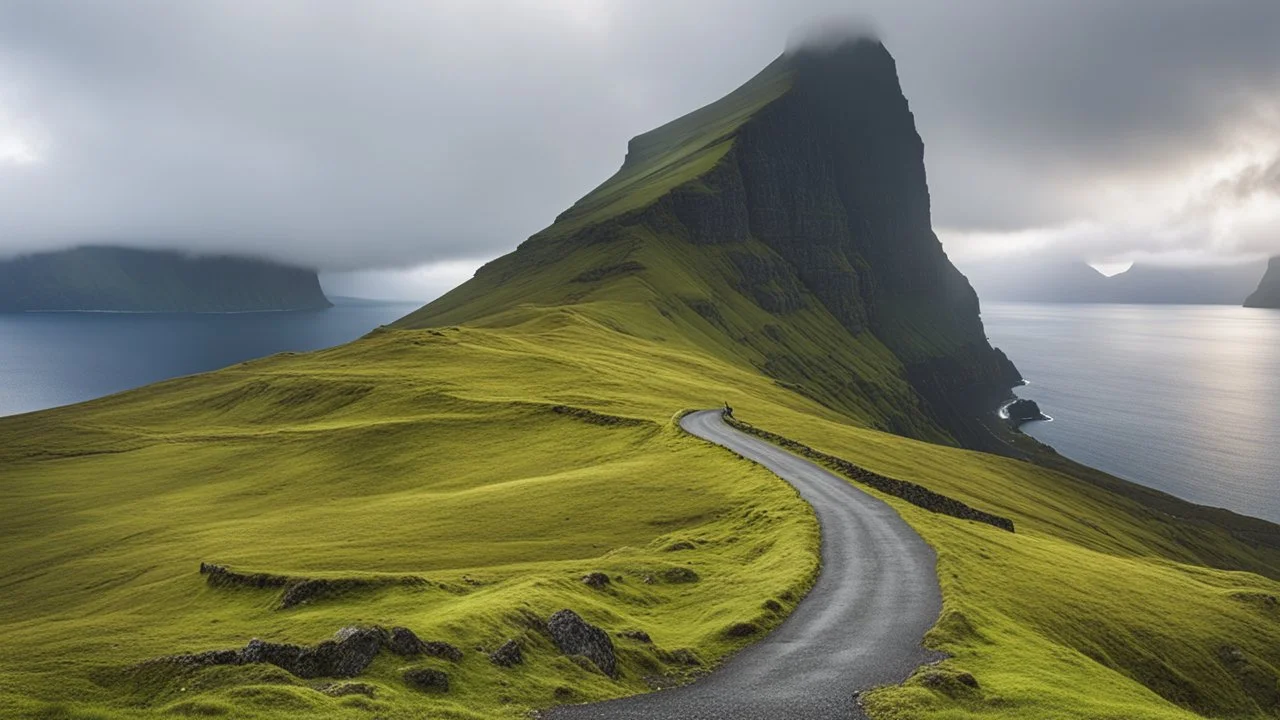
x: 842, y: 51
x: 790, y: 222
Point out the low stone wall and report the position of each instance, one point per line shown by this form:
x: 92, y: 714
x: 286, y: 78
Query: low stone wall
x: 300, y: 590
x: 917, y: 495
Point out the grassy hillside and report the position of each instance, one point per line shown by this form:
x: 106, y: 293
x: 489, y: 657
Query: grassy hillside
x: 437, y: 454
x: 460, y: 473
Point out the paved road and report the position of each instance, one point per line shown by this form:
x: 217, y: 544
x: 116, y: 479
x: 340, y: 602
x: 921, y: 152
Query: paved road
x: 859, y: 627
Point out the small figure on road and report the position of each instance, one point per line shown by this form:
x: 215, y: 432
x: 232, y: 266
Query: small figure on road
x: 728, y: 411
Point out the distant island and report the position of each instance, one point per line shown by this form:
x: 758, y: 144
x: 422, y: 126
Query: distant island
x: 1078, y: 282
x: 117, y: 279
x: 1268, y: 293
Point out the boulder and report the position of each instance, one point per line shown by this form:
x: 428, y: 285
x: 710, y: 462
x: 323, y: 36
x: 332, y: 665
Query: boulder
x: 427, y: 679
x: 596, y: 579
x: 507, y: 655
x: 637, y: 635
x: 575, y: 636
x: 404, y: 642
x: 442, y: 650
x: 347, y: 655
x: 1023, y: 411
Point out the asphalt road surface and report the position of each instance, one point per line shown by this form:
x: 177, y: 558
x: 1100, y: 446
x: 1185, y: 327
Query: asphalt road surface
x: 859, y: 627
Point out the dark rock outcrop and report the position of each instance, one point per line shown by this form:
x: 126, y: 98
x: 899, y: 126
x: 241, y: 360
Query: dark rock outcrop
x: 596, y: 579
x: 124, y: 279
x: 347, y: 655
x: 404, y: 642
x: 637, y: 635
x: 1267, y: 295
x: 1023, y: 411
x: 507, y: 655
x: 575, y: 636
x: 427, y: 679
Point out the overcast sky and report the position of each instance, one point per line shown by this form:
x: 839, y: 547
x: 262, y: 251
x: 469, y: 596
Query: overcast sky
x: 435, y: 135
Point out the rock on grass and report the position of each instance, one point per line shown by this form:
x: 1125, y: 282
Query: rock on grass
x: 427, y: 679
x: 575, y: 636
x: 406, y: 643
x: 507, y: 655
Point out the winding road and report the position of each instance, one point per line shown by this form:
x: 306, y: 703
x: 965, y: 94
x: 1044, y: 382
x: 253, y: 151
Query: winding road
x: 859, y: 627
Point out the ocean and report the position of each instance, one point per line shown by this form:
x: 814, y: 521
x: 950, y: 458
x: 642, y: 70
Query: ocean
x: 52, y: 359
x: 1182, y: 398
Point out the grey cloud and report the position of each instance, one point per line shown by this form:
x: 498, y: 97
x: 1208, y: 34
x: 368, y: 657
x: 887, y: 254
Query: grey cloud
x: 1261, y: 178
x: 386, y: 133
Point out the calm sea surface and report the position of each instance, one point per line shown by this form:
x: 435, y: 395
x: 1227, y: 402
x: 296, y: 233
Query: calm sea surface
x: 1181, y: 398
x: 50, y: 359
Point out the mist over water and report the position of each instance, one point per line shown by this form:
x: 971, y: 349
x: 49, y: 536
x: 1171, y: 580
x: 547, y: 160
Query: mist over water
x: 52, y: 359
x: 1185, y: 399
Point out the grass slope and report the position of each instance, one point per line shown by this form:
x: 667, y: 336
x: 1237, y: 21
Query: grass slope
x: 437, y: 453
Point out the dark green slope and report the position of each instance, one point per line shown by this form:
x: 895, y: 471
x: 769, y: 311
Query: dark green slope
x: 124, y: 279
x: 788, y: 225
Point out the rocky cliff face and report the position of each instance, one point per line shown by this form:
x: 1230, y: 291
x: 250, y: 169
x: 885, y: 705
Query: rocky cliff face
x: 1268, y: 293
x: 831, y: 177
x: 788, y: 225
x: 126, y: 280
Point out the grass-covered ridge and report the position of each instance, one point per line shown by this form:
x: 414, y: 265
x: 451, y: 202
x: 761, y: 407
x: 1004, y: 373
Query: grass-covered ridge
x: 383, y: 459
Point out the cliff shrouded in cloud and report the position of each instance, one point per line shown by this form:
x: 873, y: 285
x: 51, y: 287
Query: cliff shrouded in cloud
x: 124, y: 280
x: 789, y: 223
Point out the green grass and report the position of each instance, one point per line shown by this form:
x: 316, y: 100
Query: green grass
x: 436, y: 453
x: 317, y: 466
x: 676, y: 153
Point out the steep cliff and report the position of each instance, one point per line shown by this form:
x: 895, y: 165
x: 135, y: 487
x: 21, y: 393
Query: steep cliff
x: 793, y: 216
x: 128, y: 280
x: 1268, y: 293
